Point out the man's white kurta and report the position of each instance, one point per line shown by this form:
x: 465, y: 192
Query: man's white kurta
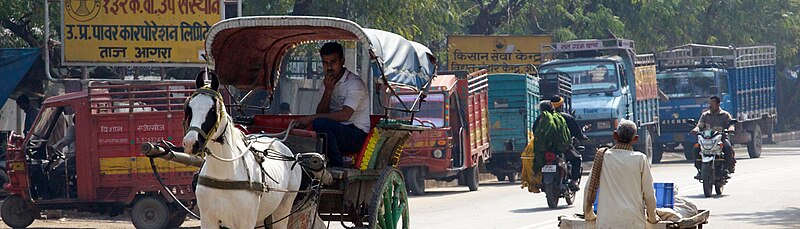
x: 626, y: 187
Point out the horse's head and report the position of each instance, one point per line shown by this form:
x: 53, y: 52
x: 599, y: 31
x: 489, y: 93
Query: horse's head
x: 204, y: 114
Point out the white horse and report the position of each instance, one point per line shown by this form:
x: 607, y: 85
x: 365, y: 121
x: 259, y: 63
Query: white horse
x: 228, y: 191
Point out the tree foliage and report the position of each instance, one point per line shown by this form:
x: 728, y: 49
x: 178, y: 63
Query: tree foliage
x: 654, y: 24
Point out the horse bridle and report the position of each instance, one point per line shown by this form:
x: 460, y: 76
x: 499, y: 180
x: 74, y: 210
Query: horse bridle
x: 206, y: 90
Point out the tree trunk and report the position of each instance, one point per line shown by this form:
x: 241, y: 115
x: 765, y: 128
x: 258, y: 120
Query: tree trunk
x: 21, y: 30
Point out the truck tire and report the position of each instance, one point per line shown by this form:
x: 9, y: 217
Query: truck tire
x: 415, y: 181
x: 658, y: 153
x: 501, y: 176
x: 150, y: 212
x: 512, y: 177
x: 754, y: 146
x: 471, y: 178
x: 688, y: 152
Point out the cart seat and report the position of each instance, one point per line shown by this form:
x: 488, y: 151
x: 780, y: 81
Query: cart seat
x: 279, y: 123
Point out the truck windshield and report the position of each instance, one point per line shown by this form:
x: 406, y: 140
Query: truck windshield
x: 686, y: 84
x: 588, y: 77
x: 431, y: 110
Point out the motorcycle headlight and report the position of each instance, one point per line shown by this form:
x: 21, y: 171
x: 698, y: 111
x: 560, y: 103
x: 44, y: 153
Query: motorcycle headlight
x: 438, y: 154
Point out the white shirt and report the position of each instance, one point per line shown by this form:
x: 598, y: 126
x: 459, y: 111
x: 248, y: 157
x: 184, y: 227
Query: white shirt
x: 352, y: 92
x: 626, y: 187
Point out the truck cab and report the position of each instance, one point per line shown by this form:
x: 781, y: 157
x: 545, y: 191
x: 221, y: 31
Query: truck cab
x: 609, y: 83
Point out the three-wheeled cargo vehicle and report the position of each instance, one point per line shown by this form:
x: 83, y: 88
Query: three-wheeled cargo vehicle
x: 105, y: 173
x: 457, y: 144
x: 248, y: 52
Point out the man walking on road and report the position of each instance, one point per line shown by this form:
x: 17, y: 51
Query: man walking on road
x: 626, y: 198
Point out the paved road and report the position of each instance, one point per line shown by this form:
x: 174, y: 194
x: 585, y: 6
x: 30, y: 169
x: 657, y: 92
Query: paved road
x: 762, y: 194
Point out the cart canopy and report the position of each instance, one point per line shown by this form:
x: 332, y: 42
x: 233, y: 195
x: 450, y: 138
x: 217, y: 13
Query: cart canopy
x: 247, y: 52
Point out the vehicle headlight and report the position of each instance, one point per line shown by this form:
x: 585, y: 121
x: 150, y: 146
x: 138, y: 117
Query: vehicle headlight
x: 438, y: 154
x: 604, y: 125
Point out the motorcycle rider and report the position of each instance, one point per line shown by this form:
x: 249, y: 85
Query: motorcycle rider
x: 715, y: 118
x: 550, y: 134
x: 573, y: 156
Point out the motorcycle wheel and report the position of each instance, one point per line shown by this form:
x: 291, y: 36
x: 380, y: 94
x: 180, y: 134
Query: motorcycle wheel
x: 552, y: 193
x: 707, y: 173
x: 569, y: 196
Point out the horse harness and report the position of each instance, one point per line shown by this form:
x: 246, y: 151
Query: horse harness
x: 260, y: 156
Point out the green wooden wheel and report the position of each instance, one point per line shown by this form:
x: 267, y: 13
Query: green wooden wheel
x: 389, y: 206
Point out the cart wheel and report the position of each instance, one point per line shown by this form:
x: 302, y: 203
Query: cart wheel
x: 415, y: 181
x: 16, y: 213
x: 150, y: 212
x: 389, y: 205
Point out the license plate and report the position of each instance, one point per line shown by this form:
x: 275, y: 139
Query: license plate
x: 549, y: 169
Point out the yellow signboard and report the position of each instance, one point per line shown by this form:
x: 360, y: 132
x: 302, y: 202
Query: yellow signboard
x: 136, y: 32
x: 646, y: 84
x: 495, y: 53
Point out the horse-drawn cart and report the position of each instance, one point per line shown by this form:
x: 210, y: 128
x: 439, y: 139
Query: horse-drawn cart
x: 253, y: 53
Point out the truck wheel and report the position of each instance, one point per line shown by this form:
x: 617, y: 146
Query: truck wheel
x: 512, y: 177
x: 150, y: 212
x: 688, y: 152
x: 415, y: 181
x: 771, y: 133
x: 648, y: 146
x: 658, y: 153
x: 178, y: 215
x: 754, y: 146
x: 501, y: 177
x: 16, y: 213
x: 471, y: 178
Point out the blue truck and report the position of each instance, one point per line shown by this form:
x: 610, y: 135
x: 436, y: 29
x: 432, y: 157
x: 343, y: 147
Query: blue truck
x: 513, y: 105
x: 743, y: 78
x: 610, y: 82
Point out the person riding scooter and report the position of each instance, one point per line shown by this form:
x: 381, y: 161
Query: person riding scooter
x: 716, y: 119
x: 572, y: 156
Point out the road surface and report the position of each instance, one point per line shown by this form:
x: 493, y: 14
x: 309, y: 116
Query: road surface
x: 762, y: 194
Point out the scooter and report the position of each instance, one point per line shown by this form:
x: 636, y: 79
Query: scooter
x: 712, y: 172
x: 555, y: 177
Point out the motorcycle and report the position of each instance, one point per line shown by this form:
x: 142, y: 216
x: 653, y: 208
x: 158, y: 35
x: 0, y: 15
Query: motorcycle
x: 713, y: 172
x: 555, y: 177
